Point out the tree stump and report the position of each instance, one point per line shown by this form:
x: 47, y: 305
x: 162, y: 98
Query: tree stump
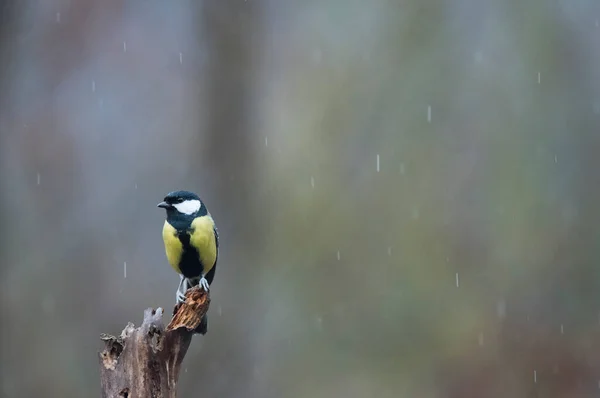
x: 145, y: 362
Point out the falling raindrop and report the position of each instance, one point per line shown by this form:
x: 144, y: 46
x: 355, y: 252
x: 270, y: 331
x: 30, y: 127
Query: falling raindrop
x: 562, y: 329
x: 338, y: 255
x: 312, y: 181
x: 124, y: 47
x: 39, y: 178
x: 457, y: 283
x: 58, y: 17
x: 125, y: 269
x: 480, y: 339
x: 135, y: 186
x: 534, y: 376
x: 597, y: 23
x: 266, y: 141
x: 429, y: 114
x: 220, y: 310
x: 181, y: 58
x: 390, y: 251
x: 539, y: 77
x: 378, y: 163
x: 555, y: 159
x: 93, y: 86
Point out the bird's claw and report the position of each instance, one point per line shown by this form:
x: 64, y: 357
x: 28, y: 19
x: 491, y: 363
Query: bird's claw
x: 180, y: 297
x: 185, y: 285
x: 204, y: 284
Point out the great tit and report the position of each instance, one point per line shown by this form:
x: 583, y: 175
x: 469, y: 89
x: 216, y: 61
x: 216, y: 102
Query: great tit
x: 191, y: 241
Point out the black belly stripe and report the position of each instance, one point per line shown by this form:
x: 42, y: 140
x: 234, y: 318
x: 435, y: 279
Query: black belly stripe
x: 190, y: 264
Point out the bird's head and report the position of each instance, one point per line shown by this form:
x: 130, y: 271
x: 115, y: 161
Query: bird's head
x: 181, y: 202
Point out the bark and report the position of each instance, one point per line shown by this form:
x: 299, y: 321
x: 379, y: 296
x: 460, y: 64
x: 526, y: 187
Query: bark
x: 144, y: 362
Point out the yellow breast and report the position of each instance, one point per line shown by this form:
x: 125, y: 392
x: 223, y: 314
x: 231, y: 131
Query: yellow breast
x: 202, y: 237
x: 173, y: 246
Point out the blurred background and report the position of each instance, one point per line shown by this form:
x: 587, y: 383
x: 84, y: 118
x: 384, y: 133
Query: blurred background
x: 406, y: 192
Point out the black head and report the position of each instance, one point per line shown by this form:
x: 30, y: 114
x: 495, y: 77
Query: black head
x: 183, y: 202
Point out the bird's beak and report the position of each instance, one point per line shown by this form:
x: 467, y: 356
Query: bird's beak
x: 164, y: 205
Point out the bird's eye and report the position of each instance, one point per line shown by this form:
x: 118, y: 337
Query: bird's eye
x: 179, y: 200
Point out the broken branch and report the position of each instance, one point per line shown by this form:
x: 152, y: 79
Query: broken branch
x: 145, y: 361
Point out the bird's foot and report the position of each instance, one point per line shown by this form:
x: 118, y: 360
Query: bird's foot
x: 204, y: 284
x: 181, y: 289
x: 180, y: 297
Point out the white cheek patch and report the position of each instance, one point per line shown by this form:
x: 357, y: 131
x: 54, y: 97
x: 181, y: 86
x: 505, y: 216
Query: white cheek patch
x: 188, y: 207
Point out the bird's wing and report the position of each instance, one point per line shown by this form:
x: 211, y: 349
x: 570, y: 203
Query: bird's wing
x: 217, y: 243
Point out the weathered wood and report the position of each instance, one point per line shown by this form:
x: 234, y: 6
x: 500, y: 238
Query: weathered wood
x: 145, y: 362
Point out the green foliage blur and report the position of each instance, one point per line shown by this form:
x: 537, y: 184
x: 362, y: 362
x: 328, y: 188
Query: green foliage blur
x: 406, y: 192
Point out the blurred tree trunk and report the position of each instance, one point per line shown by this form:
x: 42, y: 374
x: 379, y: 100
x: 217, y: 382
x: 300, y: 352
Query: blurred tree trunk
x: 231, y: 34
x: 8, y: 16
x: 9, y: 12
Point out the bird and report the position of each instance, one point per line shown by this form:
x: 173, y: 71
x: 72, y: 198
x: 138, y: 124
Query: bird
x: 191, y: 243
